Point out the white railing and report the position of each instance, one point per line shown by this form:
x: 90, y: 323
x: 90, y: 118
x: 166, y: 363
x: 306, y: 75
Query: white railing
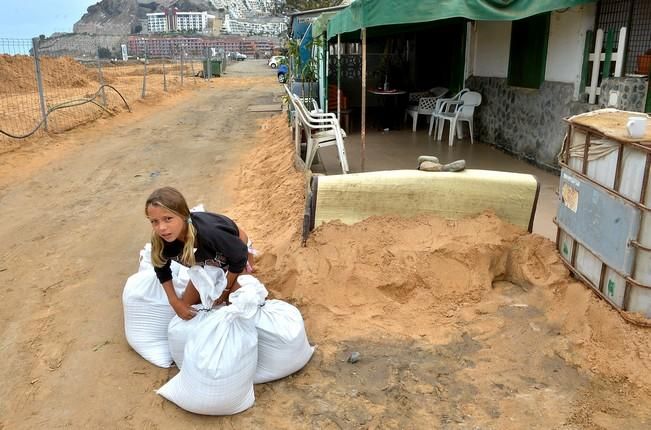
x: 597, y: 57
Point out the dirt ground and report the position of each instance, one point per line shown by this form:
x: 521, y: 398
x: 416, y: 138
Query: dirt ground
x: 468, y: 324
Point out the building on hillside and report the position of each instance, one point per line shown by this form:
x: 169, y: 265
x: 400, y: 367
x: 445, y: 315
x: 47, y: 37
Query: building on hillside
x: 172, y: 47
x: 166, y: 47
x: 172, y: 20
x: 157, y: 23
x: 267, y: 27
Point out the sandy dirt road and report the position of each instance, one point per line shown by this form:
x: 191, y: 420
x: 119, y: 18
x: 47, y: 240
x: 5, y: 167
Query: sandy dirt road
x: 76, y: 205
x: 469, y: 324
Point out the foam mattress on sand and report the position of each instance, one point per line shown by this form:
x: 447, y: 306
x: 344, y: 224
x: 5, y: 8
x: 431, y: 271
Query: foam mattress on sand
x: 354, y: 197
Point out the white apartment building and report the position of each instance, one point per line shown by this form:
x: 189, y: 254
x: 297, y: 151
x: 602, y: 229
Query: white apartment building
x: 172, y: 20
x: 157, y: 22
x: 241, y: 27
x: 193, y: 21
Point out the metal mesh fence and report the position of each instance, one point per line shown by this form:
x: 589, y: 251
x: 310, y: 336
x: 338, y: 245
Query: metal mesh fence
x: 636, y: 16
x: 19, y: 100
x: 43, y: 89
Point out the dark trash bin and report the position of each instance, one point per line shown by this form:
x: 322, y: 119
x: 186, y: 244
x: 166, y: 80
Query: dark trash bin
x: 215, y: 68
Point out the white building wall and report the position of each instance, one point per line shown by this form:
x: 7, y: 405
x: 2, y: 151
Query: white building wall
x: 567, y: 31
x: 192, y: 21
x: 492, y: 43
x: 156, y: 22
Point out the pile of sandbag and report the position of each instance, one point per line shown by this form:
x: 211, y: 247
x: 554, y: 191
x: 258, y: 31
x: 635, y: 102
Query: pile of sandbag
x: 223, y: 350
x: 147, y: 312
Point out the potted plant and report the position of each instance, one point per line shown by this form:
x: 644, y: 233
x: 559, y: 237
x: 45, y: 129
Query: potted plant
x: 389, y: 71
x: 304, y: 73
x: 644, y: 63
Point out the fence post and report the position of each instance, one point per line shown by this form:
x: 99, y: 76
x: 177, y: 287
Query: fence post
x: 605, y: 68
x: 182, y: 55
x: 101, y: 78
x: 144, y: 76
x: 39, y: 79
x: 164, y: 76
x: 586, y: 63
x: 194, y: 75
x: 208, y: 67
x: 596, y: 61
x: 647, y: 105
x: 621, y: 49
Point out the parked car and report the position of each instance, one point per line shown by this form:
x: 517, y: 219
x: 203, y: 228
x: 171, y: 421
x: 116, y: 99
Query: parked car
x: 277, y: 60
x: 282, y: 73
x: 238, y: 56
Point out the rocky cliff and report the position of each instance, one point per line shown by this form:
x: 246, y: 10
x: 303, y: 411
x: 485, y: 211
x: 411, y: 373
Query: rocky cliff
x: 123, y: 16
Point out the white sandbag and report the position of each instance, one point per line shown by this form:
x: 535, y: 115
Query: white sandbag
x: 220, y: 359
x: 251, y: 286
x: 283, y: 347
x: 179, y: 330
x: 145, y: 259
x: 210, y: 283
x: 180, y: 275
x: 147, y: 314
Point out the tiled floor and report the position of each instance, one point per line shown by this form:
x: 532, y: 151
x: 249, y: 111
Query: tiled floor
x: 400, y: 150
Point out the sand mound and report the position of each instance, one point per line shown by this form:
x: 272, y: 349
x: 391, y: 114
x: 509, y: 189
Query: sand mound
x: 414, y: 276
x: 17, y: 74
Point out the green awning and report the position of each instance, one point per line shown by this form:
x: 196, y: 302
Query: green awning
x: 320, y: 25
x: 373, y: 13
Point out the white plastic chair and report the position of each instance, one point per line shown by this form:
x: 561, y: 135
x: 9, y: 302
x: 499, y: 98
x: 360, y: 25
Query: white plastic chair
x: 322, y: 130
x: 464, y: 109
x: 426, y: 104
x: 442, y: 106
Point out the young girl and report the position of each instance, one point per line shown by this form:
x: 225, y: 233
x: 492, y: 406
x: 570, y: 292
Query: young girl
x: 201, y: 238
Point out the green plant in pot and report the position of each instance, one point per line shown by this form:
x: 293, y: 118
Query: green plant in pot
x: 382, y: 73
x: 644, y: 63
x: 304, y: 73
x: 388, y: 72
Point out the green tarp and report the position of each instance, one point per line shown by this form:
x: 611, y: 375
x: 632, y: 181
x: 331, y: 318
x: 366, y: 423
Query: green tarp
x: 373, y: 13
x: 320, y: 25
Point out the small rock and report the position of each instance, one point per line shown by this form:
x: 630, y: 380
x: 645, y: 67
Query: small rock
x: 353, y: 357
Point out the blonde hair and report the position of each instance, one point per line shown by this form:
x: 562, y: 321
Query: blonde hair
x: 172, y: 200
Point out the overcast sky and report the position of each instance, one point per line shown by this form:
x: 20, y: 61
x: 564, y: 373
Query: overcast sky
x: 24, y: 19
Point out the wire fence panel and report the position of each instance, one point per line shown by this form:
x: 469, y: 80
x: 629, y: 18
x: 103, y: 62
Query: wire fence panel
x: 70, y: 90
x: 635, y: 15
x: 19, y: 100
x: 43, y: 89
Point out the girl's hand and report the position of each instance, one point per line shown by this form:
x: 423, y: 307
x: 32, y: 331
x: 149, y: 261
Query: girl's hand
x: 221, y: 300
x: 183, y: 310
x: 224, y: 297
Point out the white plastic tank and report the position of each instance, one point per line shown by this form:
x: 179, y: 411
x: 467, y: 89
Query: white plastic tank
x: 619, y: 164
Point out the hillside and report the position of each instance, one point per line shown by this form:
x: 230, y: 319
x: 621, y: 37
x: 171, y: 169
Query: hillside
x: 122, y: 16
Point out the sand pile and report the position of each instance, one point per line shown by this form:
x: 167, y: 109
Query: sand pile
x: 17, y: 74
x: 422, y: 277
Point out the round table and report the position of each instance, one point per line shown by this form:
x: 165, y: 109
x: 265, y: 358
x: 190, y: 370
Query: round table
x: 390, y: 114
